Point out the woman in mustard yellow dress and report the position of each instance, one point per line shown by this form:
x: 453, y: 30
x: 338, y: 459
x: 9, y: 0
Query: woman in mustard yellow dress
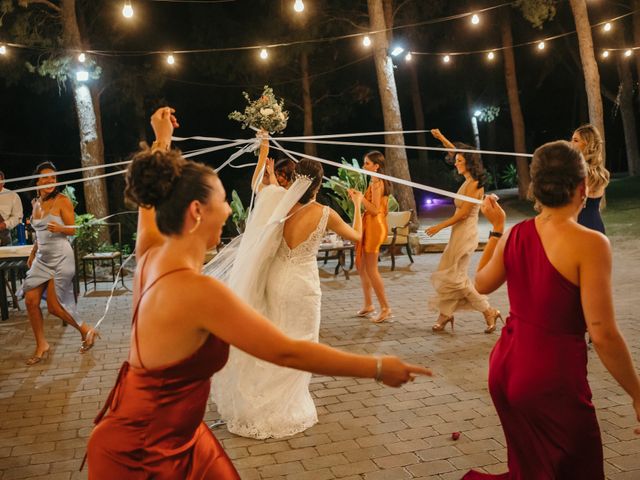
x: 374, y: 233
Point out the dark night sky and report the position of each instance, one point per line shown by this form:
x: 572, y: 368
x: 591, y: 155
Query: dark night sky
x: 37, y: 126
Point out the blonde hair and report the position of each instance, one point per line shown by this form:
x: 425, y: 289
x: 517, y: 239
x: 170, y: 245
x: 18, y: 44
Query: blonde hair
x: 597, y: 175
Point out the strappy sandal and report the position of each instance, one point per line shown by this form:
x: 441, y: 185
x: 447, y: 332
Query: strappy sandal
x: 38, y: 358
x: 385, y: 315
x: 89, y: 340
x: 365, y: 312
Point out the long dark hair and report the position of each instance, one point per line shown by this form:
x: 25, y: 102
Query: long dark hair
x: 39, y: 169
x: 377, y: 158
x: 473, y: 162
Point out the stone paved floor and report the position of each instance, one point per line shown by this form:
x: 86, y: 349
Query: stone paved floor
x: 366, y: 431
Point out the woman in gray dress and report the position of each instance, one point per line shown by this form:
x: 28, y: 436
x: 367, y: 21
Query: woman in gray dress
x: 52, y: 265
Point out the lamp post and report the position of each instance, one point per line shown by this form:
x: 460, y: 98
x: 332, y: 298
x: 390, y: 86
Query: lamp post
x: 476, y: 131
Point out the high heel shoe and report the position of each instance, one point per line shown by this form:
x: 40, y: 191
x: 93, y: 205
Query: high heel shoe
x: 89, y: 340
x: 385, y: 314
x: 442, y: 322
x: 492, y: 320
x: 365, y: 312
x: 38, y: 358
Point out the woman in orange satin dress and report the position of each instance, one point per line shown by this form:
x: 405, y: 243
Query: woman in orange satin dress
x: 183, y: 322
x: 374, y: 233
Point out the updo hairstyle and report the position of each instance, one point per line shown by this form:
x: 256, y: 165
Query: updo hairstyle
x: 169, y: 183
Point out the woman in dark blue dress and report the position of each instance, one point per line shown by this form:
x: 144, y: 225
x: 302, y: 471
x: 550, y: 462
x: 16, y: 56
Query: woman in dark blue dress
x: 587, y: 139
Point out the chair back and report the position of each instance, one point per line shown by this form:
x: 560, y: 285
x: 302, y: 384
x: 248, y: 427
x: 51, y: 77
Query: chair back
x: 399, y: 221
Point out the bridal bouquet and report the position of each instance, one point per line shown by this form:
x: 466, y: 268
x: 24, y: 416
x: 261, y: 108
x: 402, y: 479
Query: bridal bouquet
x: 265, y: 113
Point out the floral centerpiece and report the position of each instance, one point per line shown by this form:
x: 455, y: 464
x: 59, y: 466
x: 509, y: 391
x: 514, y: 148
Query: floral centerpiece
x: 265, y: 113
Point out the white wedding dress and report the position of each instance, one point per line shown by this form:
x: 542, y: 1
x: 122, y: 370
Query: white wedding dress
x: 258, y: 399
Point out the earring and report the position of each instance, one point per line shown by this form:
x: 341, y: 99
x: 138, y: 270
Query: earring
x: 198, y: 219
x: 584, y: 201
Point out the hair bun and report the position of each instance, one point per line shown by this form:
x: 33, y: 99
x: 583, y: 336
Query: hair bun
x: 152, y: 176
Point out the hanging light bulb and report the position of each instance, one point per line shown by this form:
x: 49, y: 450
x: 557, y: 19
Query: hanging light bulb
x: 127, y: 10
x: 82, y: 75
x: 628, y: 53
x: 298, y: 6
x: 3, y: 50
x: 605, y: 54
x: 82, y: 57
x: 408, y: 57
x: 264, y: 54
x: 491, y: 55
x: 446, y: 59
x: 475, y: 19
x: 171, y: 59
x: 541, y: 45
x: 366, y: 41
x: 607, y: 27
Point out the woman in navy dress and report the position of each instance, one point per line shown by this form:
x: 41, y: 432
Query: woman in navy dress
x: 587, y: 139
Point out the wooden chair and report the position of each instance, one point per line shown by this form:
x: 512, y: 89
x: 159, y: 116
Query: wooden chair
x: 398, y: 225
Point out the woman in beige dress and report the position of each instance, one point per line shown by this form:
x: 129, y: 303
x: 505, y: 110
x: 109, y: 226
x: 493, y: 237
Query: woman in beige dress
x: 454, y: 289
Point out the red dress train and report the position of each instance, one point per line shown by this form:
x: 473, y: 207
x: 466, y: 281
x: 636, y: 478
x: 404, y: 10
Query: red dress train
x: 538, y: 371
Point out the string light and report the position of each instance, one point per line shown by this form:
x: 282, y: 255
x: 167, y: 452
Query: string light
x: 171, y: 59
x: 446, y: 59
x: 264, y: 54
x: 605, y: 54
x: 408, y: 57
x: 475, y: 19
x: 628, y: 53
x: 298, y: 6
x: 491, y: 55
x: 541, y: 45
x: 127, y: 10
x: 3, y: 50
x: 82, y: 75
x: 607, y: 27
x: 366, y: 41
x: 82, y: 57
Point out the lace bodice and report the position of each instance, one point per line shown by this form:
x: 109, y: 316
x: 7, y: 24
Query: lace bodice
x: 307, y: 250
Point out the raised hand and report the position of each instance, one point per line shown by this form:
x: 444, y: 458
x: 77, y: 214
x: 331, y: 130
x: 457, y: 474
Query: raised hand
x: 396, y: 373
x: 493, y: 211
x: 355, y: 195
x: 437, y: 134
x: 163, y: 122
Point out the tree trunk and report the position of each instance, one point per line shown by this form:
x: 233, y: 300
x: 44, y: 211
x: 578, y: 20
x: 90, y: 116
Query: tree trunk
x: 636, y: 38
x: 88, y: 111
x: 309, y: 148
x: 517, y: 119
x: 628, y: 116
x: 418, y: 112
x: 396, y: 164
x: 589, y: 65
x: 387, y: 7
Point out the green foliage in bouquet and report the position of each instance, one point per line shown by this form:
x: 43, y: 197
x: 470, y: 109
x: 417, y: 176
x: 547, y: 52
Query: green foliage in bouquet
x: 238, y: 212
x: 266, y: 113
x: 347, y: 179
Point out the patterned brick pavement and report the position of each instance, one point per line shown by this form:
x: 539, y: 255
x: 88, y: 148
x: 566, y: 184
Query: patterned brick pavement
x: 366, y: 431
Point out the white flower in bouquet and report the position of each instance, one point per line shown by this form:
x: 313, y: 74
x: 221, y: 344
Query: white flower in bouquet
x: 265, y: 113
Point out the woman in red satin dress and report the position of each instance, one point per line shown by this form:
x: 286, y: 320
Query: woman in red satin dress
x: 183, y: 323
x: 374, y: 233
x: 558, y: 276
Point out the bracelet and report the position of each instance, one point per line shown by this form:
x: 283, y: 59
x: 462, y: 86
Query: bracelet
x: 378, y: 377
x: 495, y: 234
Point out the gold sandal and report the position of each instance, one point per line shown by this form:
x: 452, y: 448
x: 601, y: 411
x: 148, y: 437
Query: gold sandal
x: 385, y: 314
x: 38, y: 358
x: 442, y: 323
x: 365, y: 312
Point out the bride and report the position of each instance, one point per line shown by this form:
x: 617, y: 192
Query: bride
x: 274, y: 269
